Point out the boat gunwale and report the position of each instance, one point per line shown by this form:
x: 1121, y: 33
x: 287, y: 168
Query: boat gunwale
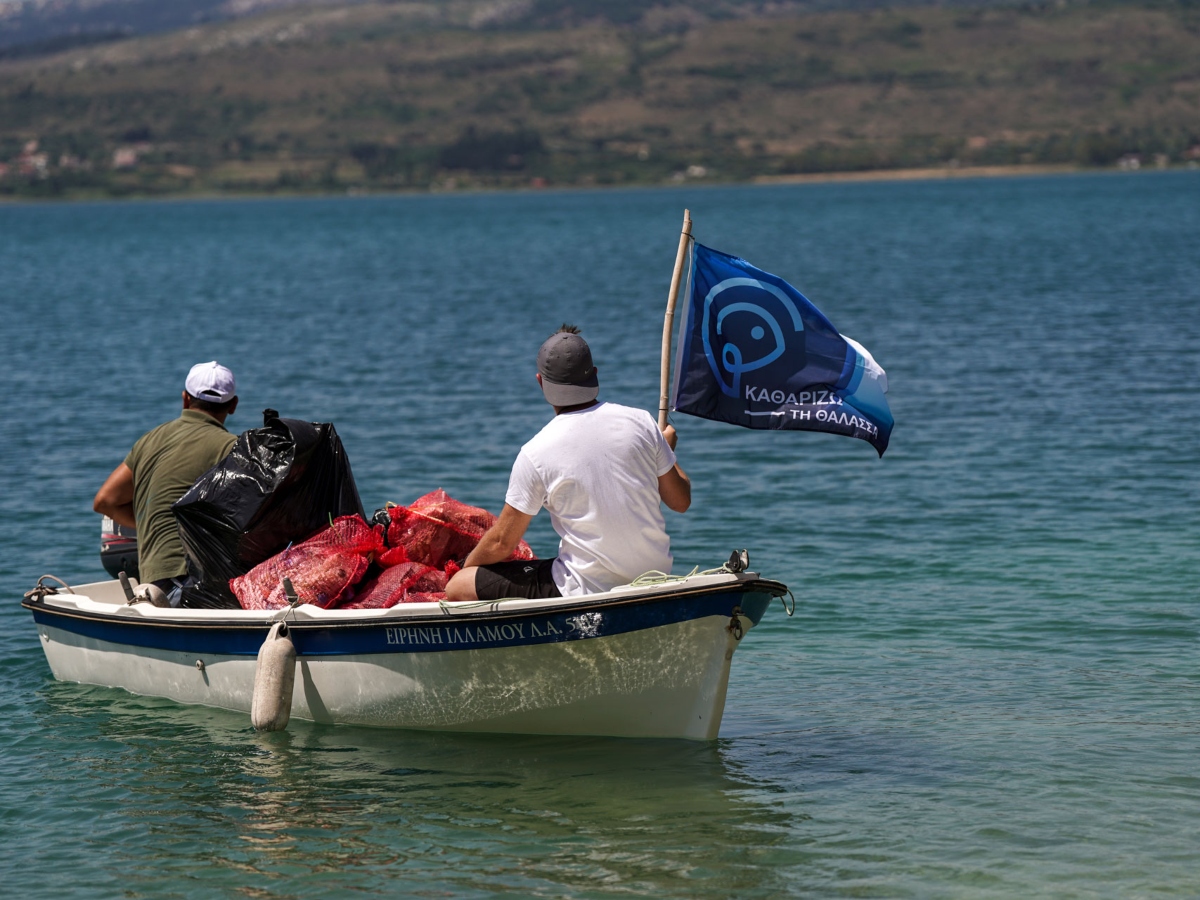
x: 742, y: 586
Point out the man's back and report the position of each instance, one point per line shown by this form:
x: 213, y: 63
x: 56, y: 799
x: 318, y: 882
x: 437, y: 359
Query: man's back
x: 596, y: 470
x: 165, y: 463
x: 601, y: 470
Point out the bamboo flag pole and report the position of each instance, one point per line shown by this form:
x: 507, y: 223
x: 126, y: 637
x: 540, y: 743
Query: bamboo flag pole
x: 669, y: 320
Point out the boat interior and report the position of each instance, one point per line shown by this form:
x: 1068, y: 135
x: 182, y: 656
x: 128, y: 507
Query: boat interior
x: 108, y: 597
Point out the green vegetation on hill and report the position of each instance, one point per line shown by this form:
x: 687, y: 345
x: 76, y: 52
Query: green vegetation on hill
x: 516, y: 92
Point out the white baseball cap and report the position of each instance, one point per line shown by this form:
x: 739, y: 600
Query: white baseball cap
x: 211, y: 381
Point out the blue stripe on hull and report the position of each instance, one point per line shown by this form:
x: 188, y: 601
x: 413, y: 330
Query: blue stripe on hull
x: 428, y: 636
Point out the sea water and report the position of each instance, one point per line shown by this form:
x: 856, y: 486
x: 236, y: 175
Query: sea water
x: 989, y: 687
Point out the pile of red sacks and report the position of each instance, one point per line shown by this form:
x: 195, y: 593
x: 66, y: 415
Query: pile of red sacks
x: 353, y: 565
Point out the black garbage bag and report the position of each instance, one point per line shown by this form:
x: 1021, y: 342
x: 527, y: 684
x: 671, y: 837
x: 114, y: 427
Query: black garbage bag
x: 279, y: 484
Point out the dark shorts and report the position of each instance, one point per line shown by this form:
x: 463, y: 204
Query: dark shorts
x: 529, y: 578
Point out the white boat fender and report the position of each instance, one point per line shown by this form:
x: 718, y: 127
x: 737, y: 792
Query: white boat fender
x: 274, y: 676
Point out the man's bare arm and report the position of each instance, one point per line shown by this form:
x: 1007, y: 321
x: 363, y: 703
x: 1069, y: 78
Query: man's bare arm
x: 115, y: 497
x: 675, y: 488
x: 498, y: 543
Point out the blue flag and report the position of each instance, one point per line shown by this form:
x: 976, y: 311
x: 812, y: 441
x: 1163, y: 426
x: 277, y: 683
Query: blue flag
x: 754, y: 351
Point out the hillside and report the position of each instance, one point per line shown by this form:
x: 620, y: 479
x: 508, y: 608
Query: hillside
x: 38, y: 27
x: 411, y: 95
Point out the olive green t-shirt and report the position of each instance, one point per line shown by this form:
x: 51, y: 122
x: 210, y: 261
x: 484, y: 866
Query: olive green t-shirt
x: 166, y: 462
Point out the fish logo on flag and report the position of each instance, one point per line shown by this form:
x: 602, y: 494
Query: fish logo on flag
x: 755, y: 352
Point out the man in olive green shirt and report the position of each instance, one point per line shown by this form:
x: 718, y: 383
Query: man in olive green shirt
x: 162, y: 466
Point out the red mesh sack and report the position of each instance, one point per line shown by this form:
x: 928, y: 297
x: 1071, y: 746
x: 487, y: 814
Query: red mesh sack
x: 320, y: 568
x: 436, y: 529
x: 393, y: 556
x: 408, y: 582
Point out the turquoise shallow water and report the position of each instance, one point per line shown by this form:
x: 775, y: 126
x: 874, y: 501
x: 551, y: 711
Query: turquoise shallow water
x: 989, y: 688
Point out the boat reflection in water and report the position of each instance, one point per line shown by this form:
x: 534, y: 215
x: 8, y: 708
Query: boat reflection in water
x: 469, y: 814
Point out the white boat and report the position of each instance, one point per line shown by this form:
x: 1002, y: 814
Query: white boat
x: 638, y: 661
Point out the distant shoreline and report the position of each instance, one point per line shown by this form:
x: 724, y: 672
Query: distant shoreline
x: 929, y: 173
x: 387, y: 98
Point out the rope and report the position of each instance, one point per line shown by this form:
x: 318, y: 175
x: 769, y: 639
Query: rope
x: 790, y: 611
x: 655, y: 577
x: 284, y: 613
x: 646, y: 579
x: 450, y: 606
x: 41, y: 590
x: 293, y: 601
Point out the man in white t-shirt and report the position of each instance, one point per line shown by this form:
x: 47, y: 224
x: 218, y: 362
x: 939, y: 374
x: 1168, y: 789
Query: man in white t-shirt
x: 601, y: 470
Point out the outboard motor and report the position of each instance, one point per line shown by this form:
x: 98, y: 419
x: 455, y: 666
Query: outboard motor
x: 118, y: 548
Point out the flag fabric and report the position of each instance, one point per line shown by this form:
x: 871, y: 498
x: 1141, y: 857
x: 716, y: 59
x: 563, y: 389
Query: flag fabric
x: 753, y: 351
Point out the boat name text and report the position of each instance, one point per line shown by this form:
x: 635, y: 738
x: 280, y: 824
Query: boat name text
x: 449, y: 635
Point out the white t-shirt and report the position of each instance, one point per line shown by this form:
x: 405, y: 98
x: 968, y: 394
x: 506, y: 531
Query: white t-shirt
x: 596, y: 470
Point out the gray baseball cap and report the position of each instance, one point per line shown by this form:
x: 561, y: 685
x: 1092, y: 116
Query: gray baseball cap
x: 568, y: 376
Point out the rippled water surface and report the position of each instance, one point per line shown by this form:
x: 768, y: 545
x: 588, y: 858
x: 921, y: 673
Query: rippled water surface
x: 989, y: 687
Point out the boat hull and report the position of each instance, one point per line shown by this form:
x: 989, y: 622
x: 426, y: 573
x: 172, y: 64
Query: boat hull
x: 654, y: 665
